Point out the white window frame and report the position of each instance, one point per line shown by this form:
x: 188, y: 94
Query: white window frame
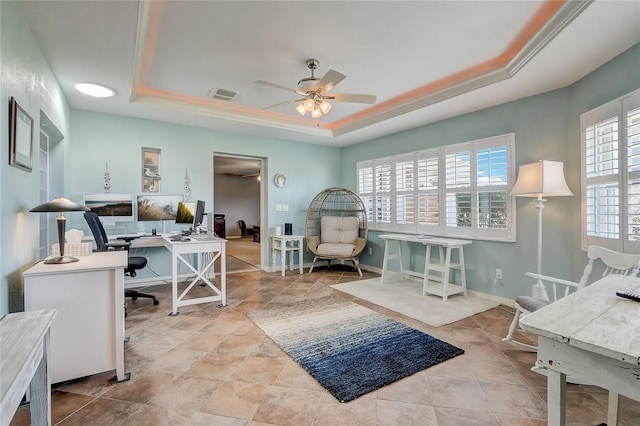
x: 621, y: 178
x: 370, y: 195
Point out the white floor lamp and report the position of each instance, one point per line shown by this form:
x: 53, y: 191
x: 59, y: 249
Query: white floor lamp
x: 538, y: 180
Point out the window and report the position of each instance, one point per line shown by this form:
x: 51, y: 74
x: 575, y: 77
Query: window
x: 455, y: 190
x: 611, y: 175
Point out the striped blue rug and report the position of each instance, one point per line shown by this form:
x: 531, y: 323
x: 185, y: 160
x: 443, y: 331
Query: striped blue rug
x: 347, y: 348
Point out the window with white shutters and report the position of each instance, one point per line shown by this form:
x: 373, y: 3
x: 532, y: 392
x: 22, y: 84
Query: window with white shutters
x: 611, y: 175
x: 455, y: 190
x: 383, y: 202
x: 428, y: 190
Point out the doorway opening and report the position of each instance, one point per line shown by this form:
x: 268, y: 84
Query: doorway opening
x: 237, y: 204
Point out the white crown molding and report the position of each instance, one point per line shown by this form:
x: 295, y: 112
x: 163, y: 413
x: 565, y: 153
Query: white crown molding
x: 563, y: 17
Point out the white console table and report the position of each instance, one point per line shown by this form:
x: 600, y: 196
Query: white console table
x: 87, y: 336
x: 439, y: 285
x: 198, y: 245
x: 24, y: 356
x: 592, y: 335
x: 287, y: 244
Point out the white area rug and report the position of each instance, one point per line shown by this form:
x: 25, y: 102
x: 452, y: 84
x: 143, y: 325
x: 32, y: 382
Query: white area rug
x: 405, y: 297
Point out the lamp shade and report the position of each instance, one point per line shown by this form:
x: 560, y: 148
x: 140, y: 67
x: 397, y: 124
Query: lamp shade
x: 59, y: 205
x: 541, y: 179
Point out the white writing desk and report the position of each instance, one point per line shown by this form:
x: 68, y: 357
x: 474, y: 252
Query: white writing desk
x: 24, y: 354
x: 198, y: 245
x: 593, y: 335
x: 437, y: 285
x: 87, y: 336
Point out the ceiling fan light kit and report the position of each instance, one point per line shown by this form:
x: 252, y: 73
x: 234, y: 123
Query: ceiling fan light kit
x: 314, y: 92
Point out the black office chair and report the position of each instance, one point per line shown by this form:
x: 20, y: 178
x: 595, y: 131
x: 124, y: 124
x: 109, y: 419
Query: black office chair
x: 102, y: 244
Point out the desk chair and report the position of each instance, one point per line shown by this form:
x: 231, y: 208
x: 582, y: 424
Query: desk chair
x: 102, y: 243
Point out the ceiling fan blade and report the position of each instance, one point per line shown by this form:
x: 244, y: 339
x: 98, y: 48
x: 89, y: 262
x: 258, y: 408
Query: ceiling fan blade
x: 284, y: 103
x: 330, y: 79
x: 350, y: 97
x: 276, y: 85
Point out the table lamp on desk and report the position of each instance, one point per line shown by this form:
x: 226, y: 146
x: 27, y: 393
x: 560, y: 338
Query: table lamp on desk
x: 60, y: 205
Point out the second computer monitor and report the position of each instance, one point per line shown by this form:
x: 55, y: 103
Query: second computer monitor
x: 198, y: 217
x: 186, y: 213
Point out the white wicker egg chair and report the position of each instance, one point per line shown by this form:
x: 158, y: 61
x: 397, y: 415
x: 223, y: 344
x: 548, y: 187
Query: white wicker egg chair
x: 343, y: 217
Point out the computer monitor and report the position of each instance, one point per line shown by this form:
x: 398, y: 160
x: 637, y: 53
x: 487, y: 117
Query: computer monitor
x: 198, y: 217
x: 186, y: 213
x: 158, y: 207
x: 110, y: 208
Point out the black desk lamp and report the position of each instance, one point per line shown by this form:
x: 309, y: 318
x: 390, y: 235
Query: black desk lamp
x: 60, y: 205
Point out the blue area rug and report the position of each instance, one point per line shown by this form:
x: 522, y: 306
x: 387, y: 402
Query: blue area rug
x: 347, y: 348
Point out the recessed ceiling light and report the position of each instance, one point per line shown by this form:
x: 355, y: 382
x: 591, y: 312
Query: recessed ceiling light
x: 95, y: 90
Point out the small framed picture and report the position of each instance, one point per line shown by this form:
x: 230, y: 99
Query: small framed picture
x: 150, y: 170
x: 20, y: 137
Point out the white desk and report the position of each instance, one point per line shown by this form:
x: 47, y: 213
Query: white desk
x: 593, y: 335
x: 87, y: 336
x: 24, y: 354
x: 286, y: 244
x: 438, y: 285
x: 197, y: 245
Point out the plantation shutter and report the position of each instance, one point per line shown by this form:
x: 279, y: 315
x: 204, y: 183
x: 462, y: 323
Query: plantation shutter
x: 611, y: 175
x: 383, y: 186
x: 405, y: 192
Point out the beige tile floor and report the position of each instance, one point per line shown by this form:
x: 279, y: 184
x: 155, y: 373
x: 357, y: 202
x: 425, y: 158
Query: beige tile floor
x: 213, y: 366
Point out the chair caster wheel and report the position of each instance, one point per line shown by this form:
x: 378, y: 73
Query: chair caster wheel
x: 156, y: 302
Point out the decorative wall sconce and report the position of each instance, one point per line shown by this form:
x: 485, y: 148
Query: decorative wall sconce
x: 107, y: 179
x: 187, y: 186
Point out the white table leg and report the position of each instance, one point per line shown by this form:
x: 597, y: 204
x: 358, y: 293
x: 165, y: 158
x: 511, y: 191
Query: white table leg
x: 121, y: 376
x: 613, y: 408
x: 283, y: 257
x: 174, y: 283
x: 463, y: 277
x: 400, y: 260
x: 300, y: 259
x: 223, y: 275
x: 556, y: 393
x: 40, y: 389
x: 427, y: 261
x: 385, y: 261
x: 445, y: 273
x: 274, y: 253
x: 291, y: 259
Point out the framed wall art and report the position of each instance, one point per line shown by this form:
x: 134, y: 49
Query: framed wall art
x: 20, y: 137
x: 150, y: 170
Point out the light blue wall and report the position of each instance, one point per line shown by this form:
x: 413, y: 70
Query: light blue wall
x: 100, y: 138
x: 26, y: 76
x: 547, y: 127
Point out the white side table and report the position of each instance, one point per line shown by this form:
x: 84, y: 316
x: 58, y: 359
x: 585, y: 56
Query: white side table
x: 286, y: 244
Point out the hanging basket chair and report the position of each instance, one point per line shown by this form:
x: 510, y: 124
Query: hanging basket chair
x: 343, y: 211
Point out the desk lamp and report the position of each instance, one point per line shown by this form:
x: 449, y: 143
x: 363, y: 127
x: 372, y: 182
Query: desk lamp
x: 60, y: 205
x: 537, y: 180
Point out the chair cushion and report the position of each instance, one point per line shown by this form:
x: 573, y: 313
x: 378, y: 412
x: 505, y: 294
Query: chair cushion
x: 531, y: 304
x: 136, y: 262
x: 335, y: 249
x: 335, y: 229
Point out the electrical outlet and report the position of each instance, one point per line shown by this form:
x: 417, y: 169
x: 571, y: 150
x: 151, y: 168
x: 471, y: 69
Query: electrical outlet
x: 498, y: 274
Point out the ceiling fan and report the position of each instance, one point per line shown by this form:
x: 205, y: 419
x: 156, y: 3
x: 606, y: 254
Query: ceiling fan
x: 315, y: 94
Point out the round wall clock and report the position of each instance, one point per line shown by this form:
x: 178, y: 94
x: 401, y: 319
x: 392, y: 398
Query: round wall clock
x: 280, y: 180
